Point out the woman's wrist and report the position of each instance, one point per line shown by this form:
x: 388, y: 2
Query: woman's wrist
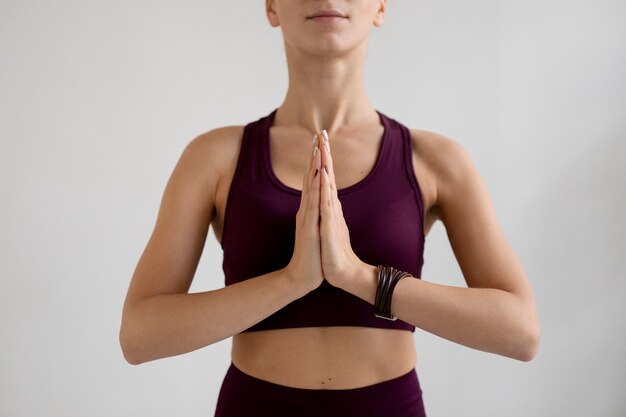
x: 362, y: 281
x: 293, y: 281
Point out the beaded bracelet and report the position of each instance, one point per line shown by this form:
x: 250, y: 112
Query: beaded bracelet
x: 388, y: 277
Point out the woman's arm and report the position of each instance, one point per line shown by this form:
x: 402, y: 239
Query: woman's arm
x: 166, y: 325
x: 497, y: 312
x: 159, y: 317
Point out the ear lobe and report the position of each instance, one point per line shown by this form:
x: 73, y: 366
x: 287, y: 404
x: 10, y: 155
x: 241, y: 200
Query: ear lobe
x: 380, y: 14
x: 270, y: 11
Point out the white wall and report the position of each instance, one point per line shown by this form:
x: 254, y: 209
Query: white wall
x: 98, y: 99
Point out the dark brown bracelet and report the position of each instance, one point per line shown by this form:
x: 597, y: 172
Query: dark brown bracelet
x: 396, y: 275
x: 384, y: 279
x: 382, y: 276
x: 388, y: 277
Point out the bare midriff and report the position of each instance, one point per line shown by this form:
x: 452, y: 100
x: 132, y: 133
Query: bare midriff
x: 337, y: 357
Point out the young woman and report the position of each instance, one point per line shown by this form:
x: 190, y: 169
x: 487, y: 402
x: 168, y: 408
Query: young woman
x: 313, y: 234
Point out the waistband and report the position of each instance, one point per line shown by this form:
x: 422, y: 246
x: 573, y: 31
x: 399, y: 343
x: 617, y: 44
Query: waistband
x: 397, y: 397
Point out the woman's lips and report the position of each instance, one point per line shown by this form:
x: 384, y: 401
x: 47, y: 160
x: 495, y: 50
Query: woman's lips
x: 327, y: 19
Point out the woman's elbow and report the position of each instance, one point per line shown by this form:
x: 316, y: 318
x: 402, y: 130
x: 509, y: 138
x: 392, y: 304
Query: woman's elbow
x: 529, y: 345
x: 128, y: 346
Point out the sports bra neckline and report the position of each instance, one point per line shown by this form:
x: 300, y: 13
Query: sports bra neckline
x: 265, y: 138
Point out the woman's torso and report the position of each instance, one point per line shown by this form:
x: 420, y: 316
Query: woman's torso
x: 338, y: 357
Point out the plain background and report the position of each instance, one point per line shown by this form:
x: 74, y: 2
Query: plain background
x: 98, y: 100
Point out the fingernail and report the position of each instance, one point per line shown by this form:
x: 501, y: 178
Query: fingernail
x: 325, y: 135
x: 314, y: 137
x: 314, y: 151
x: 326, y: 168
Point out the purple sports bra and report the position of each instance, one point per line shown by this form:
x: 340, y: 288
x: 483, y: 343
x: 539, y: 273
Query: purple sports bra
x: 384, y: 213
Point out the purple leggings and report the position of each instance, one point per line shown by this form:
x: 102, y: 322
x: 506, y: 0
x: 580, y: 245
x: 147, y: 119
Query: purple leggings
x: 244, y: 395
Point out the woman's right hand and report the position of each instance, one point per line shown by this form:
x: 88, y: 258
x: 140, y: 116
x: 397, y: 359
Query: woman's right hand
x: 305, y: 266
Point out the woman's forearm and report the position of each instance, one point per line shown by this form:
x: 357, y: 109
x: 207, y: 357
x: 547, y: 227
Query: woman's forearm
x: 487, y: 319
x: 172, y: 324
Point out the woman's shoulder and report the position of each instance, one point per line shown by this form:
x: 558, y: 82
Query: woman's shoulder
x: 443, y: 161
x: 217, y: 145
x: 218, y: 139
x: 221, y: 145
x: 210, y: 154
x: 438, y: 150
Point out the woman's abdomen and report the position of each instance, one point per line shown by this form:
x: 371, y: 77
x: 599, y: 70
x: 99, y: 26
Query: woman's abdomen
x: 337, y: 357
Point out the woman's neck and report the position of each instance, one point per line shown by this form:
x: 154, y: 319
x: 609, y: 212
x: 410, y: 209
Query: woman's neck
x: 326, y: 92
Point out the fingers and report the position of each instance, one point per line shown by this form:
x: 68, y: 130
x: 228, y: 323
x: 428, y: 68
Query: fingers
x: 313, y: 212
x: 328, y: 188
x: 307, y: 176
x: 325, y: 191
x: 308, y: 173
x: 311, y: 184
x: 327, y: 160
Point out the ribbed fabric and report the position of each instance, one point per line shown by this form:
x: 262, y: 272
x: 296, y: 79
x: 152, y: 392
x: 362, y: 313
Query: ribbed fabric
x: 383, y: 211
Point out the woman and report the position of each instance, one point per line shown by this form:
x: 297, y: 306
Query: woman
x: 304, y: 229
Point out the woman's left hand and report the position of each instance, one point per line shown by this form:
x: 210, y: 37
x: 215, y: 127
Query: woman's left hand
x: 339, y: 262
